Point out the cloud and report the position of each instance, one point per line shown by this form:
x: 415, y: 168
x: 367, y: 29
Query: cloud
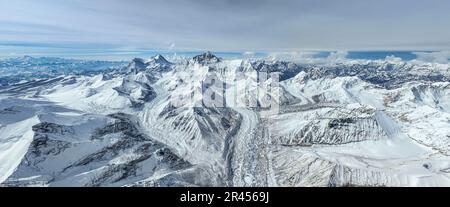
x: 434, y: 57
x: 392, y: 58
x: 310, y: 57
x: 172, y: 46
x: 230, y: 25
x: 337, y: 57
x: 294, y: 56
x: 249, y: 55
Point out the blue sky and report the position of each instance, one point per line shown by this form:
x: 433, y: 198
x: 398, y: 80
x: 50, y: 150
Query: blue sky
x: 132, y: 27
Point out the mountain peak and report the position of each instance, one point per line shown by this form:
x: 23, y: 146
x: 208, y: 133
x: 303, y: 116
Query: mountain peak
x: 155, y: 63
x: 159, y: 59
x: 206, y: 58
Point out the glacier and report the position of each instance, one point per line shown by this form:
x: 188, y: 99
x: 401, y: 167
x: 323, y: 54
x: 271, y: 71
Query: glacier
x: 211, y: 121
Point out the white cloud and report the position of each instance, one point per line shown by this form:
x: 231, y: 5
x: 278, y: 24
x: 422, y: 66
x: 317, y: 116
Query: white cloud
x: 294, y: 56
x: 433, y: 57
x: 337, y: 57
x: 172, y: 46
x: 249, y: 54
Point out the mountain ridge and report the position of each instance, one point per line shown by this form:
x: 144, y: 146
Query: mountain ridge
x: 358, y: 123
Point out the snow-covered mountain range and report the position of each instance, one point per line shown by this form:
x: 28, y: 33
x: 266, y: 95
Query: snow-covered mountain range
x: 25, y: 68
x: 209, y: 121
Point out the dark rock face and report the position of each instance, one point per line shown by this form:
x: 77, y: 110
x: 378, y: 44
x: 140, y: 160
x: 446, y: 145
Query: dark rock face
x: 51, y: 128
x: 168, y: 111
x: 121, y: 125
x: 206, y: 58
x: 339, y: 123
x: 43, y: 146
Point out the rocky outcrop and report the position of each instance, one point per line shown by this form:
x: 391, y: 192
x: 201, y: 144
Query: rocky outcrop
x: 119, y: 151
x: 338, y: 126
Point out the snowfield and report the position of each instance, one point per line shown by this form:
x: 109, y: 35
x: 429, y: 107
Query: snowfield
x: 207, y: 121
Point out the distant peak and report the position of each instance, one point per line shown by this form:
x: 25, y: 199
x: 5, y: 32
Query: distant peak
x: 155, y: 63
x: 208, y: 54
x: 206, y: 58
x: 138, y: 60
x: 160, y: 58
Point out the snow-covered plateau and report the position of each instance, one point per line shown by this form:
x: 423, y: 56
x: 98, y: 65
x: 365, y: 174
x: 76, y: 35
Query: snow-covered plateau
x: 208, y: 121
